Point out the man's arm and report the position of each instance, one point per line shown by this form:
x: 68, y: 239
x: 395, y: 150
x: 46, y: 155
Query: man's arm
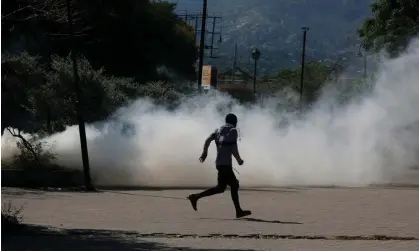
x: 208, y: 141
x: 206, y: 146
x: 235, y: 148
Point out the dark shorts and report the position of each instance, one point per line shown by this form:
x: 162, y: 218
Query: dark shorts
x: 226, y: 177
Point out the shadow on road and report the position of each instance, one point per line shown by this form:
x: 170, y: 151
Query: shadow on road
x: 250, y: 189
x: 36, y: 238
x: 257, y: 220
x: 147, y: 195
x: 268, y: 221
x: 135, y: 192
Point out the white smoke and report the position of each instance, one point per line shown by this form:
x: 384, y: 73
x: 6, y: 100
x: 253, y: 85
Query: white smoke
x: 367, y: 141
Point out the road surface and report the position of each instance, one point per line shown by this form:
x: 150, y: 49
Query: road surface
x: 303, y: 218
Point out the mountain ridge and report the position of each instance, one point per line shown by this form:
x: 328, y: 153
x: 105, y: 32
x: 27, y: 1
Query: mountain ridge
x: 274, y: 27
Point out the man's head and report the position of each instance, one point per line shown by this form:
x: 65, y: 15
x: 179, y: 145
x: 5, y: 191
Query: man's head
x: 231, y: 119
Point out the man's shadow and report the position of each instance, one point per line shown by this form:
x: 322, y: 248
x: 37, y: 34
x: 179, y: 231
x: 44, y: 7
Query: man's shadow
x: 257, y: 220
x: 269, y: 221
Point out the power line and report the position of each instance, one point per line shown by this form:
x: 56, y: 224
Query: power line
x: 214, y: 31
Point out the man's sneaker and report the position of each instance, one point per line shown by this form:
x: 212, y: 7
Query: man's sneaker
x: 193, y: 199
x: 243, y: 213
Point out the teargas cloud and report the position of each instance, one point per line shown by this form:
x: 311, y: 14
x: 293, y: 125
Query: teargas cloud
x: 373, y: 139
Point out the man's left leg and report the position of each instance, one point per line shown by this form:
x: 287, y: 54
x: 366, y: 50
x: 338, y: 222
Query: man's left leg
x: 222, y: 181
x: 193, y: 198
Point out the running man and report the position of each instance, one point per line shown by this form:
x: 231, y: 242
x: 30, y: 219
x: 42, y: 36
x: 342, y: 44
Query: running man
x: 226, y: 141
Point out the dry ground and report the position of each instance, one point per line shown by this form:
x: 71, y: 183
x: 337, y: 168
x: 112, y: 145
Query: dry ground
x: 376, y: 218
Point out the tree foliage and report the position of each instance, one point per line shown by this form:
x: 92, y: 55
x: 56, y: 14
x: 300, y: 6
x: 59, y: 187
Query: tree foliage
x: 315, y: 75
x: 128, y: 38
x: 23, y: 80
x: 393, y: 24
x: 38, y: 98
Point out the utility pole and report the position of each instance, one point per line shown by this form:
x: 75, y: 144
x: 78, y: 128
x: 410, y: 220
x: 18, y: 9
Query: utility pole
x: 202, y: 44
x: 213, y: 33
x: 196, y: 29
x: 233, y: 75
x: 254, y: 77
x: 82, y: 129
x: 364, y: 56
x: 365, y: 64
x: 255, y: 56
x: 305, y: 29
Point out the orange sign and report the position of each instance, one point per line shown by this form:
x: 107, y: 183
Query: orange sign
x: 206, y: 76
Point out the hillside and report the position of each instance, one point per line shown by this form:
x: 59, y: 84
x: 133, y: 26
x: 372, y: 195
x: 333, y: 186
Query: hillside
x: 274, y: 26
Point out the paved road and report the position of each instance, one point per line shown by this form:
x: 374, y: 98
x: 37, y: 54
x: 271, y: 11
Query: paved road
x: 292, y: 218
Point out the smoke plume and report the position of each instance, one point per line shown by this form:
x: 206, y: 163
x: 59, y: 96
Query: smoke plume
x: 366, y: 141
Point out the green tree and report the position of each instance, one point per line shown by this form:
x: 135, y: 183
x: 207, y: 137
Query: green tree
x: 393, y: 24
x: 136, y: 37
x: 129, y: 38
x: 22, y: 78
x: 101, y: 94
x: 315, y: 76
x: 37, y: 98
x: 40, y: 99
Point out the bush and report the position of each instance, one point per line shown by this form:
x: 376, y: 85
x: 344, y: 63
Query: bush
x: 163, y: 93
x: 32, y: 152
x: 11, y: 218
